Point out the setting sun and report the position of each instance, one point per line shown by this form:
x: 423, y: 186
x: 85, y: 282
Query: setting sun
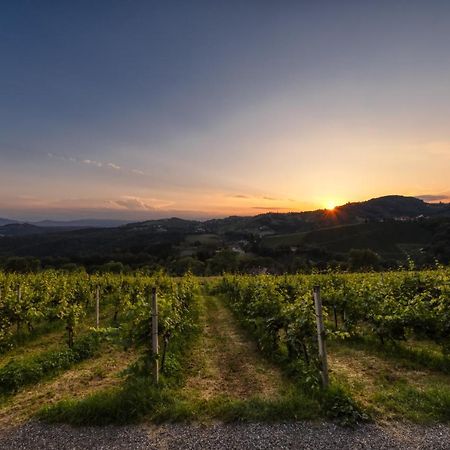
x: 330, y: 204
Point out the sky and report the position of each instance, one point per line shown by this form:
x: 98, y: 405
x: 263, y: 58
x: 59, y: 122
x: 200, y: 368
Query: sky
x: 130, y: 109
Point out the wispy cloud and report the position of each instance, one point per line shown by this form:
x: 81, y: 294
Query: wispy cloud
x: 95, y: 163
x: 435, y: 198
x: 271, y: 208
x: 125, y: 202
x: 141, y: 204
x: 92, y: 163
x: 239, y: 196
x: 264, y: 197
x: 134, y: 203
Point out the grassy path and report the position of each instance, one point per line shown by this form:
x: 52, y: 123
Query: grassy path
x: 225, y: 362
x: 391, y: 390
x: 45, y: 342
x: 222, y: 377
x: 85, y: 378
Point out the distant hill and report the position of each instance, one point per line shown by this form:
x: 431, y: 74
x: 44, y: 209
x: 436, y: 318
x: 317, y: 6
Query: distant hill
x: 394, y: 206
x: 395, y: 227
x: 172, y: 224
x: 28, y: 229
x: 15, y: 228
x: 378, y: 209
x: 6, y: 221
x: 82, y: 223
x: 392, y: 240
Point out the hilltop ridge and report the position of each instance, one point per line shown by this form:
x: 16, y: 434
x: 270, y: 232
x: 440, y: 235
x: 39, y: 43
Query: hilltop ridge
x: 394, y: 228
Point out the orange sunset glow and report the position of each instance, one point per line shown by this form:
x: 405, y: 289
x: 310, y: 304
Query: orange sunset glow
x: 255, y: 121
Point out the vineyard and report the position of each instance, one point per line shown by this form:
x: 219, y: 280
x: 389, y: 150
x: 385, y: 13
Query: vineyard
x: 390, y: 306
x: 396, y: 320
x: 388, y: 339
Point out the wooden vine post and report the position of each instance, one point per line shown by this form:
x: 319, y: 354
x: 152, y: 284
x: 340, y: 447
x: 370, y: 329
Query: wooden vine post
x: 155, y: 344
x: 97, y: 307
x: 19, y: 299
x: 321, y: 337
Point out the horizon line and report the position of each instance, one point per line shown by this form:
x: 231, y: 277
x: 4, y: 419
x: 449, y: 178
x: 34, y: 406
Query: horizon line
x: 203, y: 217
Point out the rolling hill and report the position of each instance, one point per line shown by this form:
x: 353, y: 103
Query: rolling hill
x: 393, y: 226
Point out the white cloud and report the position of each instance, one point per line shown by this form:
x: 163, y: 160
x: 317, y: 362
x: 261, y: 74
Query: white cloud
x: 92, y: 162
x: 141, y: 204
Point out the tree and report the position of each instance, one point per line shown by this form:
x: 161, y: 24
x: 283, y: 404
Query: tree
x: 224, y: 261
x: 188, y: 264
x: 363, y: 259
x: 19, y: 264
x: 112, y: 267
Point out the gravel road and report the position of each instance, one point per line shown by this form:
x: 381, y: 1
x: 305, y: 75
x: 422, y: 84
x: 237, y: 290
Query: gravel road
x: 302, y: 435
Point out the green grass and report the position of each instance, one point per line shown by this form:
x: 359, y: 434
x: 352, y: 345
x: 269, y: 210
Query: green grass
x: 422, y: 405
x: 385, y: 390
x: 390, y: 385
x: 138, y: 396
x: 24, y: 336
x: 306, y: 393
x: 293, y: 406
x: 51, y: 335
x: 32, y: 369
x: 140, y: 399
x: 52, y: 340
x: 413, y: 355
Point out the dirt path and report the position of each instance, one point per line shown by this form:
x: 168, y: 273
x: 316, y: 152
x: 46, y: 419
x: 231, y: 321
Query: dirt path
x: 79, y: 381
x: 226, y: 362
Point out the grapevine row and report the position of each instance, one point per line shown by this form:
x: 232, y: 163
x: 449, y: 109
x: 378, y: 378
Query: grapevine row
x: 392, y: 306
x: 28, y: 301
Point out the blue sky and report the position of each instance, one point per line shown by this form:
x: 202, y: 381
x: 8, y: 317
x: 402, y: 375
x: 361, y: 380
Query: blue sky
x: 139, y: 109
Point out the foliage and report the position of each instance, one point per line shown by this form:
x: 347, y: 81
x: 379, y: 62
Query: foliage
x: 339, y: 406
x: 33, y: 299
x: 138, y: 396
x: 393, y: 306
x: 19, y: 373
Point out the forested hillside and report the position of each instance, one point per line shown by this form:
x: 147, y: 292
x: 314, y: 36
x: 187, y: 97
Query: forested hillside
x: 380, y: 233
